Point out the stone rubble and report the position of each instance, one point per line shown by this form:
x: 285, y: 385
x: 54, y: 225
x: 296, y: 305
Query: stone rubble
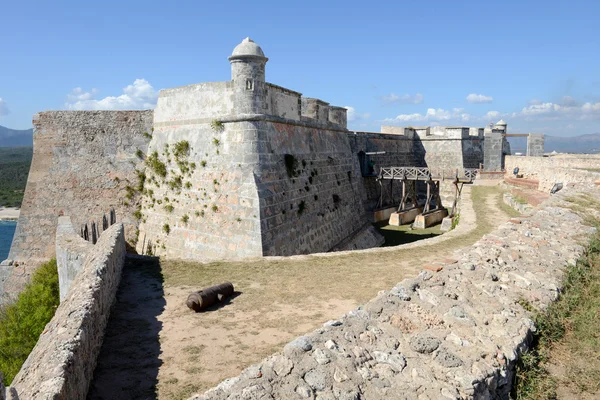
x: 452, y: 334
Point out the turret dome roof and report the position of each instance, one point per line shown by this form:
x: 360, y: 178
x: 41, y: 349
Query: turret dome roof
x: 247, y: 48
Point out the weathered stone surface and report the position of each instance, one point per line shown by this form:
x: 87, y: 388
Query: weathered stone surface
x: 83, y: 162
x: 62, y: 362
x: 454, y: 334
x: 424, y: 343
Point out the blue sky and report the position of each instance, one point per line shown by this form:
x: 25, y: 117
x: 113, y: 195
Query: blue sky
x: 535, y: 64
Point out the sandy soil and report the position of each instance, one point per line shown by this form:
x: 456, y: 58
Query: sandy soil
x: 9, y: 213
x: 156, y: 347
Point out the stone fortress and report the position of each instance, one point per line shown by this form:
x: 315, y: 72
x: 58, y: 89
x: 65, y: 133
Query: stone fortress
x: 250, y: 169
x: 242, y: 168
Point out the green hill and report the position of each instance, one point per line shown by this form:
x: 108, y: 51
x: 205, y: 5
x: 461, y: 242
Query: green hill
x: 14, y: 168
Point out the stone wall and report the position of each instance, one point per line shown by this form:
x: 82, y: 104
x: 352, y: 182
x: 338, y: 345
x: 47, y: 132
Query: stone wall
x: 452, y: 334
x: 566, y: 169
x: 310, y: 189
x: 71, y: 254
x: 82, y: 163
x: 61, y: 364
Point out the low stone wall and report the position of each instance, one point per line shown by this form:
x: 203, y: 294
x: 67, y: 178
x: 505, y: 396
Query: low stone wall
x: 511, y: 201
x: 61, y: 364
x: 71, y: 253
x: 567, y: 169
x: 452, y: 334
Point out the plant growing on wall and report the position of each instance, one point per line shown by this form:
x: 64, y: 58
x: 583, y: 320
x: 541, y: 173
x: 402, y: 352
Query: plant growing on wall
x: 217, y: 126
x: 291, y: 165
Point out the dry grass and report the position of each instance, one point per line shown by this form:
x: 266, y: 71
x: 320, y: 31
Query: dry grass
x: 283, y: 298
x: 565, y: 359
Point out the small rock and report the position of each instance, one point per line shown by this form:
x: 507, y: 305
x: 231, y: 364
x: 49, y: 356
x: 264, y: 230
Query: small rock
x: 321, y: 357
x: 281, y: 365
x: 401, y: 293
x: 316, y: 379
x: 339, y: 375
x: 424, y: 344
x: 448, y: 359
x: 304, y: 391
x: 302, y: 343
x: 333, y: 322
x: 469, y: 266
x: 331, y: 345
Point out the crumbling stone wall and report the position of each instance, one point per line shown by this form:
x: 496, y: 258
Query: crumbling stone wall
x: 456, y: 333
x: 82, y: 163
x: 61, y: 364
x: 567, y: 169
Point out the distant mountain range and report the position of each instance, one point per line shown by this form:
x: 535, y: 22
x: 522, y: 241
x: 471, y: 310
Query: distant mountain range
x: 576, y: 144
x: 15, y: 138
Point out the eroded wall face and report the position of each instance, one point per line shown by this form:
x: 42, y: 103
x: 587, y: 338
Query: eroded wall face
x: 212, y: 210
x: 310, y: 189
x: 83, y: 162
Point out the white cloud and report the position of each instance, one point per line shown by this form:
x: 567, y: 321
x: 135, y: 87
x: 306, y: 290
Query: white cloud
x: 433, y: 114
x: 3, y: 107
x: 569, y: 110
x: 479, y: 98
x: 139, y: 95
x: 353, y: 115
x: 404, y: 99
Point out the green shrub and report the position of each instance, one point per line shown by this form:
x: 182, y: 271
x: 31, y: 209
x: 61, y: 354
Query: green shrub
x: 181, y: 149
x: 156, y: 165
x: 22, y: 322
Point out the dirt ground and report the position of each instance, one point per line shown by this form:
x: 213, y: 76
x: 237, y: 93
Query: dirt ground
x: 155, y: 347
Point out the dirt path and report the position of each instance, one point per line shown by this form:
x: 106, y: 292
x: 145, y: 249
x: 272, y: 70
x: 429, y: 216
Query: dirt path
x: 281, y: 298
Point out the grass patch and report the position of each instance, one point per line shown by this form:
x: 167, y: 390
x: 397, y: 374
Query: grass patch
x: 565, y: 355
x: 397, y: 235
x: 22, y: 322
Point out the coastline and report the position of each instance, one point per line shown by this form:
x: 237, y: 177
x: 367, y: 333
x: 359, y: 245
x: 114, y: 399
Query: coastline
x: 9, y: 213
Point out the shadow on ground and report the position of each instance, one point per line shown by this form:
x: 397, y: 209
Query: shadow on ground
x: 129, y: 360
x: 397, y: 235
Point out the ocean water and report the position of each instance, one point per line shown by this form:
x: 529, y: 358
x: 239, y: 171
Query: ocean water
x: 7, y: 231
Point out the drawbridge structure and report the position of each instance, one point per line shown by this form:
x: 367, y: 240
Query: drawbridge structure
x: 432, y: 211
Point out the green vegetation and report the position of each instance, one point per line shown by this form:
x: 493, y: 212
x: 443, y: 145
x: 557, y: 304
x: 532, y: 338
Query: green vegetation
x: 567, y: 335
x: 22, y: 322
x: 156, y: 165
x: 185, y: 218
x: 14, y: 169
x: 217, y: 126
x: 166, y: 228
x: 181, y: 149
x: 397, y: 235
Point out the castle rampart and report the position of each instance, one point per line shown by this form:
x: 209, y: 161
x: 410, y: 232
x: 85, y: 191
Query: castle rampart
x: 83, y: 163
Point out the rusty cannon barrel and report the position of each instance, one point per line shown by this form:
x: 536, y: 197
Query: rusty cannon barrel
x: 206, y: 297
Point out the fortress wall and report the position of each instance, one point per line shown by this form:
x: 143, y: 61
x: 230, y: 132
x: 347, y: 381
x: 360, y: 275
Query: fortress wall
x: 457, y: 333
x: 62, y: 363
x: 213, y: 212
x: 567, y: 169
x: 221, y: 203
x: 82, y: 163
x: 284, y: 103
x: 398, y: 152
x: 310, y: 190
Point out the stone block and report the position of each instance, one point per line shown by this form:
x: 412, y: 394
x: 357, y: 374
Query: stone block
x: 404, y: 217
x: 431, y: 218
